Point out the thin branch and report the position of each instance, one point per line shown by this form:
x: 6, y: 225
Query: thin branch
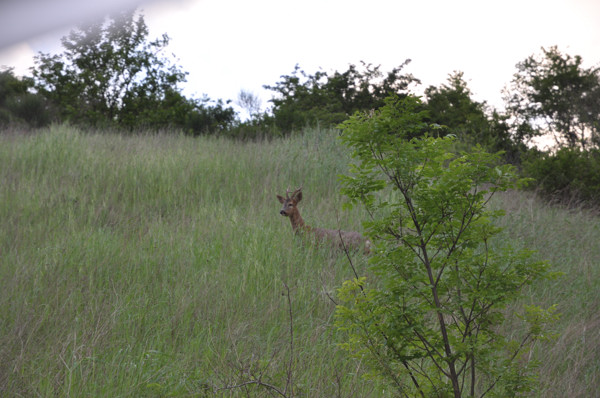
x: 512, y: 358
x: 256, y: 382
x: 347, y: 253
x: 371, y: 345
x: 289, y: 372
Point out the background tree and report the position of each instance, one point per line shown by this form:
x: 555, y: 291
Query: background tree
x: 554, y: 94
x: 427, y: 319
x: 249, y: 102
x: 110, y: 73
x: 451, y: 106
x: 209, y: 117
x: 18, y: 105
x: 302, y: 99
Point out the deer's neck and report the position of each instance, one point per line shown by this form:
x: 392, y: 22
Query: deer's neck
x: 297, y: 222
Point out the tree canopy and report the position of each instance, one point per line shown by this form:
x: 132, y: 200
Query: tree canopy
x: 303, y: 99
x: 452, y: 107
x: 110, y: 74
x: 554, y: 94
x: 18, y: 105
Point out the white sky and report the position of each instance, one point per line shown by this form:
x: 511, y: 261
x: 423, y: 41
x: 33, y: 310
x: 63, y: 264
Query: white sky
x: 239, y: 44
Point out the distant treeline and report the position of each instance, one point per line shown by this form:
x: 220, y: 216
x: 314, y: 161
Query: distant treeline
x: 111, y: 76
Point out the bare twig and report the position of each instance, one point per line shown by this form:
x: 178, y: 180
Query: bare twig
x: 346, y: 252
x: 288, y: 391
x: 289, y: 384
x: 257, y: 382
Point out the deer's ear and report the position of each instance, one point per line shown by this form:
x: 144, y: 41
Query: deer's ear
x: 298, y: 196
x: 280, y: 198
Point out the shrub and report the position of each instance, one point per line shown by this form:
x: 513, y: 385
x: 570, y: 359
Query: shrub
x: 32, y: 108
x: 566, y: 175
x: 426, y: 321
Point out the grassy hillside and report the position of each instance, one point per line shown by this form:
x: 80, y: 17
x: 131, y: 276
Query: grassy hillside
x: 158, y: 265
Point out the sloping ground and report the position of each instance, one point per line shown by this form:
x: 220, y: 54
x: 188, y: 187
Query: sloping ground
x: 569, y: 240
x: 157, y: 265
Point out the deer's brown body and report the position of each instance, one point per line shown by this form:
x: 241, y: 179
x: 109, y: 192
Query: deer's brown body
x: 341, y: 239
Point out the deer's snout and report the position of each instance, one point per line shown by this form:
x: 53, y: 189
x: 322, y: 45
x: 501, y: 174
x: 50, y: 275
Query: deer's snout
x: 283, y: 213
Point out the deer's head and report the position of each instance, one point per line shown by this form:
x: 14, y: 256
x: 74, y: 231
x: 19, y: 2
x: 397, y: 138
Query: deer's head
x: 290, y: 202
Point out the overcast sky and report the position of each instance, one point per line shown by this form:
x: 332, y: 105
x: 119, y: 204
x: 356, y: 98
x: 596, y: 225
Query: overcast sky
x: 227, y: 46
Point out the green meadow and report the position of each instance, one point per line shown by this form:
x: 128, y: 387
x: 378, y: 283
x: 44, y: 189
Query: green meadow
x: 158, y: 265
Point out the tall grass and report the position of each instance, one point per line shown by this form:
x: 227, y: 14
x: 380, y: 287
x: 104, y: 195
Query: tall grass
x: 157, y: 266
x: 568, y: 239
x: 135, y: 266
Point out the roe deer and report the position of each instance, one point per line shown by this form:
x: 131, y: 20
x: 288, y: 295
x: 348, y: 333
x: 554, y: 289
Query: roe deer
x: 341, y: 239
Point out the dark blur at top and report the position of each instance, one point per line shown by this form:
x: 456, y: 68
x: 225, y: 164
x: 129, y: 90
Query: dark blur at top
x: 21, y: 20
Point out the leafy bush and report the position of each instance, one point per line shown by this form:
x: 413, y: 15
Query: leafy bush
x: 32, y: 108
x: 259, y: 127
x: 426, y: 321
x: 18, y: 105
x: 204, y: 117
x: 5, y: 118
x: 569, y: 174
